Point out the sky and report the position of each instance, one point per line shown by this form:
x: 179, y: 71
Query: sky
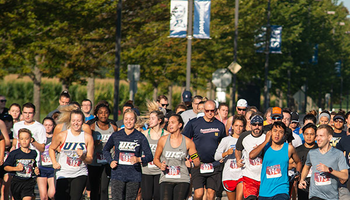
x: 346, y: 4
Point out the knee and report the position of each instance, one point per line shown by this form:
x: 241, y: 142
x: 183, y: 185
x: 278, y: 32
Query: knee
x: 211, y: 193
x: 198, y: 194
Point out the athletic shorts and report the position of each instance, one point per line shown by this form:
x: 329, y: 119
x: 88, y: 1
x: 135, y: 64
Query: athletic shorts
x: 46, y: 172
x: 250, y: 187
x: 2, y: 172
x: 22, y: 187
x: 230, y: 185
x: 209, y: 180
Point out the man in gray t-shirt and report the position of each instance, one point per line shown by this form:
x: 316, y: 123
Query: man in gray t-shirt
x: 327, y: 166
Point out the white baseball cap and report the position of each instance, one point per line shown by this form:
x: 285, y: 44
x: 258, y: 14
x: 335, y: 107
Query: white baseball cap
x: 242, y: 103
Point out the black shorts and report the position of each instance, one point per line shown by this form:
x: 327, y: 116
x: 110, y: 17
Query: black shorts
x: 2, y: 172
x: 22, y: 187
x: 209, y: 180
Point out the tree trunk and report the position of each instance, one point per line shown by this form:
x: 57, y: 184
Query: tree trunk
x: 91, y: 90
x: 65, y: 86
x: 170, y: 96
x: 37, y: 86
x: 155, y: 93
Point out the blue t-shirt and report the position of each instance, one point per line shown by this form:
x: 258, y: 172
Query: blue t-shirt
x: 274, y: 172
x: 27, y: 159
x: 127, y: 146
x: 89, y: 118
x: 206, y: 136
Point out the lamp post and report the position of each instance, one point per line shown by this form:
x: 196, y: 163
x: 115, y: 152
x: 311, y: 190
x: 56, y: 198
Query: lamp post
x: 267, y: 52
x: 189, y: 45
x: 117, y: 60
x: 235, y: 57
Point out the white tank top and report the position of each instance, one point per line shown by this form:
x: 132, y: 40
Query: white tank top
x: 71, y: 165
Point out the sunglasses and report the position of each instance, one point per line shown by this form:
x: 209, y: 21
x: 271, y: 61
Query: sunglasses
x: 242, y: 109
x: 339, y: 120
x: 256, y: 124
x: 165, y: 105
x: 276, y: 118
x: 207, y: 111
x: 3, y: 101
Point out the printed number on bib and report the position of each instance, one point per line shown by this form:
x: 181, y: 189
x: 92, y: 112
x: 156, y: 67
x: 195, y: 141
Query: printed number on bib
x: 206, y: 168
x: 233, y: 165
x: 322, y: 178
x: 255, y: 162
x: 273, y: 171
x: 100, y: 158
x: 125, y: 158
x: 73, y: 159
x: 173, y: 172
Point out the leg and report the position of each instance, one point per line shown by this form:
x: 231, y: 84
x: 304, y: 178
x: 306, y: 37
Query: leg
x: 231, y: 195
x: 239, y: 191
x: 180, y: 191
x: 62, y: 188
x: 198, y: 184
x: 156, y: 187
x: 77, y: 187
x: 42, y: 186
x: 105, y: 182
x: 166, y: 191
x: 117, y: 188
x: 51, y: 192
x: 5, y: 188
x: 147, y: 186
x: 95, y: 173
x: 211, y: 194
x: 198, y: 194
x: 131, y: 190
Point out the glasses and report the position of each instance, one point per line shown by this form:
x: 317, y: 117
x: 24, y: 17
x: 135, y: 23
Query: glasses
x: 339, y: 120
x: 242, y: 109
x: 166, y: 105
x: 207, y: 111
x: 256, y: 124
x: 3, y: 101
x: 276, y: 118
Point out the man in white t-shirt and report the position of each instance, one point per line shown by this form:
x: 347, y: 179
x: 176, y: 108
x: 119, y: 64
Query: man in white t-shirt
x: 37, y: 129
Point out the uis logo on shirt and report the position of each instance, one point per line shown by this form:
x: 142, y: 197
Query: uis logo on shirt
x: 74, y: 146
x: 216, y: 134
x: 128, y: 146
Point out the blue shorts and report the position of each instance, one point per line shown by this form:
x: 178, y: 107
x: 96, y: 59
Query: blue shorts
x: 46, y: 172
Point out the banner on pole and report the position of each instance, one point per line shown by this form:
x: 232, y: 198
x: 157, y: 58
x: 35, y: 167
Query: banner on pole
x: 275, y: 39
x: 201, y: 24
x: 178, y: 18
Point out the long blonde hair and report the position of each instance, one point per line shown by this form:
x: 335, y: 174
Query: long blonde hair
x: 65, y: 112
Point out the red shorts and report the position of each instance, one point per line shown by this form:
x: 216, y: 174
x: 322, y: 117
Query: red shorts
x: 230, y: 185
x: 250, y: 187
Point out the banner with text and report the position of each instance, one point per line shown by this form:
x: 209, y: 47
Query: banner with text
x: 275, y: 39
x: 201, y: 24
x: 178, y: 18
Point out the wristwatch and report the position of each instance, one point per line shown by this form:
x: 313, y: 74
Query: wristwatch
x: 330, y: 169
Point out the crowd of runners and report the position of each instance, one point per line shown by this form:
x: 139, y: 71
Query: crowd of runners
x: 195, y: 151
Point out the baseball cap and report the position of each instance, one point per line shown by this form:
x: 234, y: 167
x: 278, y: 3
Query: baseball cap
x: 276, y: 111
x: 242, y: 103
x: 338, y: 117
x: 187, y: 96
x: 295, y: 117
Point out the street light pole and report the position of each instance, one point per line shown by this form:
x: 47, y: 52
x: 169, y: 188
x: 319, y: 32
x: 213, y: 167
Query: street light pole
x: 267, y: 52
x: 189, y: 45
x: 117, y: 60
x: 235, y: 57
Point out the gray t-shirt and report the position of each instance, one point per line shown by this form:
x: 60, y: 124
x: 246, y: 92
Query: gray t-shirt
x: 187, y: 116
x: 325, y: 185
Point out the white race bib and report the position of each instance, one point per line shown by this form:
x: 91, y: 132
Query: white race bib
x: 125, y: 158
x: 233, y: 165
x: 206, y: 168
x: 322, y: 179
x: 173, y: 172
x: 273, y: 171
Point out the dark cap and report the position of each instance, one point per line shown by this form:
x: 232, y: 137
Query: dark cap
x: 338, y: 117
x: 276, y: 111
x: 187, y: 96
x: 295, y: 117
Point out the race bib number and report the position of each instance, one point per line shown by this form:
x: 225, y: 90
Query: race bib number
x: 100, y: 158
x: 255, y: 162
x: 125, y: 158
x: 151, y: 165
x: 73, y: 159
x: 206, y: 168
x: 173, y: 172
x: 322, y: 178
x: 233, y: 165
x: 273, y: 171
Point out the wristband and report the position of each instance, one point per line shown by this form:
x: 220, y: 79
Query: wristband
x: 192, y: 164
x: 194, y: 156
x: 330, y: 169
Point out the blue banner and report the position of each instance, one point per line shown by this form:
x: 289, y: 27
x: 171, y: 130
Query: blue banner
x: 201, y: 24
x: 178, y: 18
x: 275, y: 39
x: 337, y: 68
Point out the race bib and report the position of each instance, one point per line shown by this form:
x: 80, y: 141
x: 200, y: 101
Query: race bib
x: 151, y: 165
x: 73, y: 159
x: 255, y: 162
x: 233, y: 165
x: 173, y: 172
x: 322, y: 178
x: 100, y: 158
x: 125, y: 158
x: 45, y: 159
x: 28, y: 167
x: 273, y: 171
x: 206, y: 168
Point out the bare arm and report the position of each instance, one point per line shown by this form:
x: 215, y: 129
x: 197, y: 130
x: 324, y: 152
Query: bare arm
x: 255, y: 152
x: 56, y: 142
x: 89, y: 143
x: 158, y: 153
x: 228, y: 124
x: 302, y: 184
x: 5, y: 133
x: 192, y: 150
x: 14, y: 144
x: 342, y: 174
x: 86, y: 128
x: 295, y: 157
x: 40, y: 147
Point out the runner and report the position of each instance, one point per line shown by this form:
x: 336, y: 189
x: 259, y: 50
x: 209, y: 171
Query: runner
x: 15, y: 112
x: 327, y: 164
x: 22, y: 162
x: 76, y: 150
x: 126, y: 164
x: 324, y: 117
x: 150, y: 172
x: 274, y: 173
x: 339, y: 121
x: 86, y: 106
x: 47, y: 172
x: 99, y: 170
x: 247, y: 141
x: 222, y: 113
x: 232, y: 179
x: 171, y: 157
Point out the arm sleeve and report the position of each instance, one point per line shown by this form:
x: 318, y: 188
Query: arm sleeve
x: 10, y: 160
x: 220, y: 150
x: 147, y: 151
x: 41, y: 135
x: 239, y: 145
x: 106, y: 150
x: 188, y: 131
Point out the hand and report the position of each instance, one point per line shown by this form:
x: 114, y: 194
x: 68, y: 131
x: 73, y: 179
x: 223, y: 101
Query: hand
x: 20, y: 167
x: 80, y: 153
x: 229, y: 151
x: 56, y: 165
x: 134, y: 159
x: 1, y: 162
x: 322, y: 168
x: 33, y: 140
x: 114, y: 164
x: 36, y: 171
x: 302, y: 185
x: 268, y: 136
x: 163, y: 166
x: 240, y: 163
